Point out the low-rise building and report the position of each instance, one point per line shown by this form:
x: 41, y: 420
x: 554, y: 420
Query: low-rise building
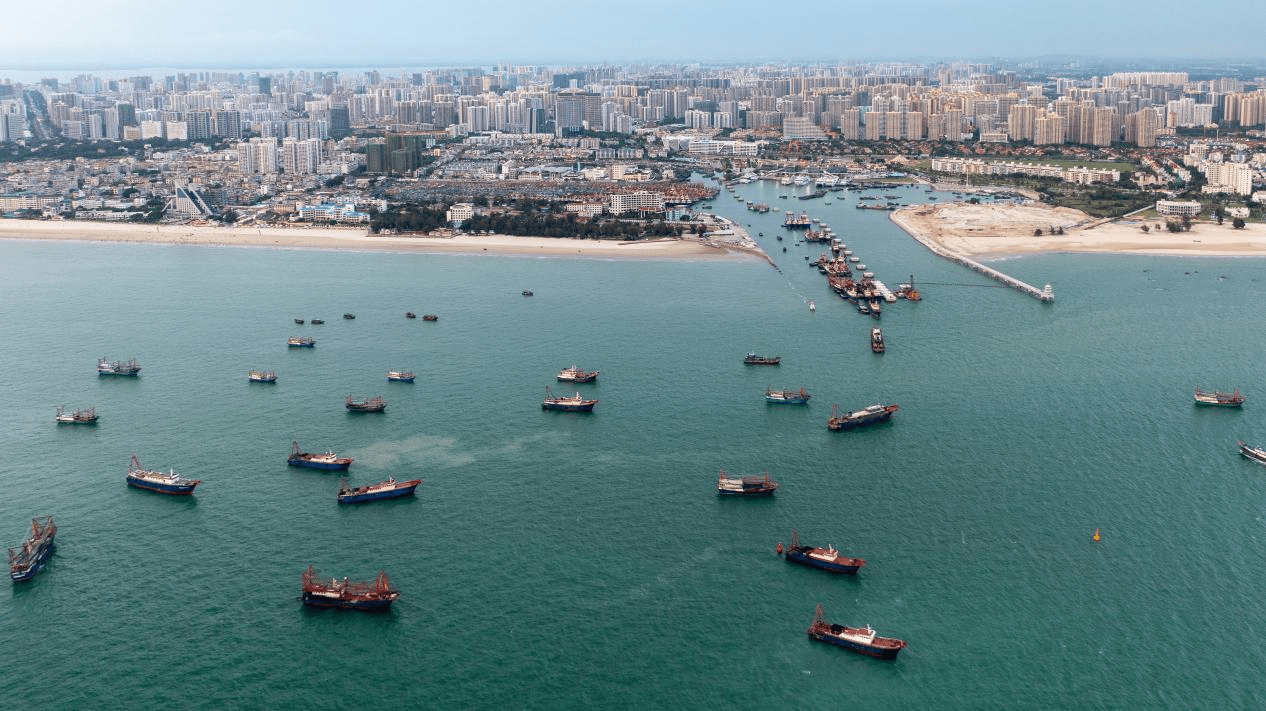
x: 1177, y: 208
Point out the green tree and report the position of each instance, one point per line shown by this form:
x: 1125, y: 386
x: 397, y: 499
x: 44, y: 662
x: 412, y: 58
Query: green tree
x: 1237, y: 223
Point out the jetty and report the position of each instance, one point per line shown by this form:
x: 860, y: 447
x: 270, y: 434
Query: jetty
x: 1045, y: 294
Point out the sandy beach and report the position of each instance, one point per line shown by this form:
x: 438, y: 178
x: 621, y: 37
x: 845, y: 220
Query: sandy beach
x: 996, y: 230
x: 360, y: 240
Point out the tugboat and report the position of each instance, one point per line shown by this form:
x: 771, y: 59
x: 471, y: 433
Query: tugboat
x: 262, y: 376
x: 753, y: 359
x: 389, y: 489
x: 577, y: 375
x: 328, y: 460
x: 1219, y: 399
x: 1257, y: 454
x: 169, y: 483
x: 566, y: 403
x: 786, y: 397
x: 87, y: 416
x: 365, y: 404
x: 827, y: 559
x: 745, y: 485
x: 28, y: 559
x: 127, y: 368
x: 858, y: 639
x: 868, y: 415
x: 400, y: 376
x: 300, y: 342
x: 377, y: 595
x: 876, y: 340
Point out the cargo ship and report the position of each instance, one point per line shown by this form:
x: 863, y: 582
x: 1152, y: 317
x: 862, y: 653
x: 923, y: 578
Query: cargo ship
x: 868, y: 415
x: 565, y: 403
x: 858, y: 639
x: 753, y: 359
x: 1219, y: 399
x: 401, y: 376
x: 745, y: 485
x: 348, y: 595
x: 127, y: 368
x: 28, y: 559
x: 169, y: 483
x: 328, y: 460
x: 365, y: 404
x: 577, y: 375
x: 1257, y: 454
x: 301, y: 342
x: 876, y: 340
x: 389, y: 489
x: 262, y: 376
x: 86, y: 416
x: 787, y: 397
x: 827, y: 559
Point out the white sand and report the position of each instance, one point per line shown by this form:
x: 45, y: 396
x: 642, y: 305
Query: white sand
x: 989, y: 230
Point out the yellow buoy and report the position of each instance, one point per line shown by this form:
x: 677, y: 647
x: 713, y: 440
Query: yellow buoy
x: 1096, y: 534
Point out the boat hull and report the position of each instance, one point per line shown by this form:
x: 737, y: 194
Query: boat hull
x: 748, y: 492
x: 181, y: 489
x: 122, y: 374
x: 795, y: 556
x: 314, y: 600
x: 328, y: 466
x: 1254, y: 453
x: 377, y: 495
x: 860, y: 648
x: 25, y: 574
x: 565, y: 407
x: 74, y: 421
x: 862, y: 422
x: 794, y: 400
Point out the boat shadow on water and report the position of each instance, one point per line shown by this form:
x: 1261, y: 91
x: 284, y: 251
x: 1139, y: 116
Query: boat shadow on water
x: 383, y: 615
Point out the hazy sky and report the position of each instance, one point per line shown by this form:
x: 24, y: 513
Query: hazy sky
x: 323, y: 33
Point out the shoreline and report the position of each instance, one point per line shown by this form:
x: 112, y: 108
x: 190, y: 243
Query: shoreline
x: 359, y: 239
x: 993, y: 231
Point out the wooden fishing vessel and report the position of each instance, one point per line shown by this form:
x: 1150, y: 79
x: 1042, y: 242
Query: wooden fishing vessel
x: 28, y: 559
x: 577, y: 375
x: 827, y: 559
x: 346, y: 594
x: 745, y: 485
x: 164, y: 483
x: 786, y: 397
x: 86, y: 416
x: 262, y: 376
x: 566, y: 403
x: 389, y: 489
x: 1217, y: 398
x: 365, y: 404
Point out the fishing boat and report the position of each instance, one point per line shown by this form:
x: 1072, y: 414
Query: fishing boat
x: 827, y: 559
x: 1218, y: 398
x: 430, y: 317
x: 118, y: 367
x: 786, y: 397
x: 328, y: 460
x: 1257, y: 454
x: 348, y: 595
x: 410, y: 314
x: 365, y: 404
x: 317, y: 322
x: 566, y: 403
x: 812, y: 306
x: 400, y: 376
x: 300, y: 342
x: 389, y: 489
x: 527, y: 292
x: 745, y: 485
x: 577, y: 375
x: 86, y: 416
x: 349, y: 316
x: 793, y: 222
x: 868, y: 415
x: 858, y: 639
x: 299, y: 321
x: 753, y: 359
x: 262, y: 376
x: 27, y: 559
x: 169, y: 483
x: 876, y: 340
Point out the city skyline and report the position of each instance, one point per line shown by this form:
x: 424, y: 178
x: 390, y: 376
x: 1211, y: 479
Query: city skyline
x: 247, y: 35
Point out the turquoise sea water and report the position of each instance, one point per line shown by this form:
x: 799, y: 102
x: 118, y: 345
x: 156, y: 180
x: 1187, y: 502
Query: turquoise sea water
x: 554, y: 560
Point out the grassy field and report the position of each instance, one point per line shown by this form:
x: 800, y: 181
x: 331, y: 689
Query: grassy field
x: 1067, y: 163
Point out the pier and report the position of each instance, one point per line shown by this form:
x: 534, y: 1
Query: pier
x: 1045, y: 294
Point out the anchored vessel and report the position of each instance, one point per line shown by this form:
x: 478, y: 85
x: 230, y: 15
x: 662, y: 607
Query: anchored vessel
x: 430, y: 317
x: 1257, y: 454
x: 377, y: 595
x: 317, y: 322
x: 857, y: 639
x: 400, y: 376
x: 365, y: 404
x: 301, y: 342
x: 410, y: 314
x: 876, y: 340
x: 827, y: 559
x: 753, y: 359
x: 745, y: 485
x: 86, y: 416
x: 577, y: 375
x: 794, y: 222
x: 328, y: 460
x: 566, y: 403
x: 868, y: 415
x: 118, y: 367
x: 27, y: 559
x: 1218, y: 398
x: 169, y: 483
x: 787, y: 397
x: 262, y: 376
x: 389, y: 489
